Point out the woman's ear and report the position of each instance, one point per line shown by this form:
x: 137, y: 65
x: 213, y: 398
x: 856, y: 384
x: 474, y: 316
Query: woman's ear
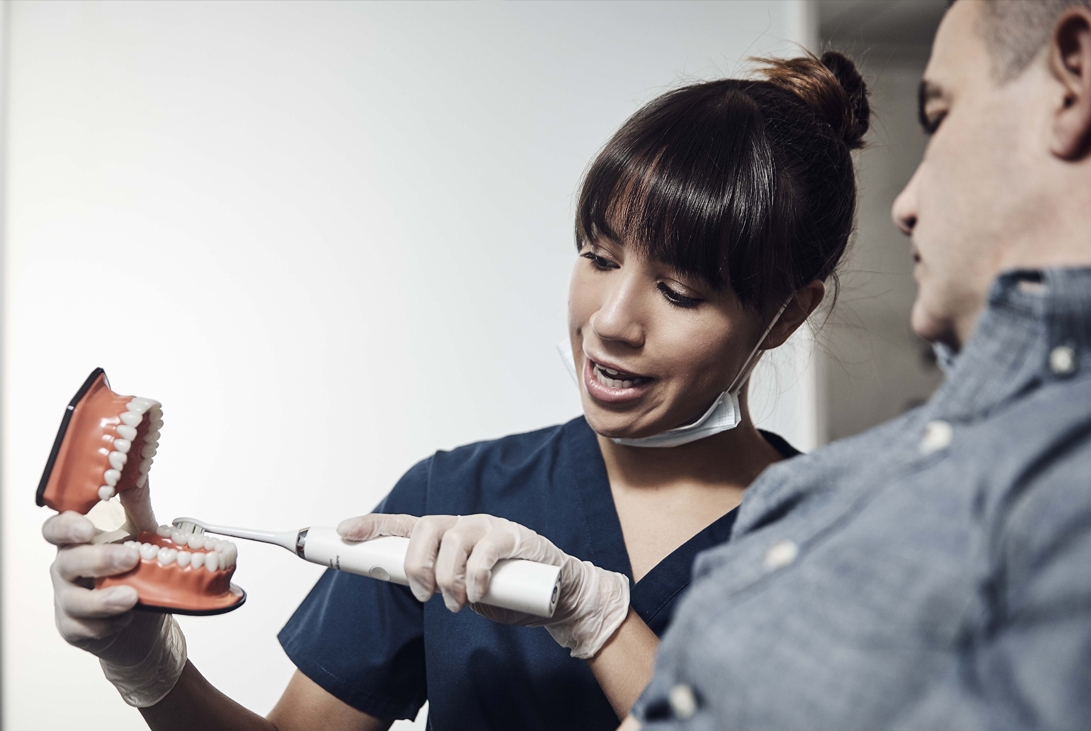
x: 799, y: 308
x: 1070, y: 64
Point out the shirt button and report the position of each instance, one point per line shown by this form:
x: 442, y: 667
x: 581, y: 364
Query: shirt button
x: 781, y: 554
x: 1062, y: 360
x: 682, y: 700
x: 937, y: 436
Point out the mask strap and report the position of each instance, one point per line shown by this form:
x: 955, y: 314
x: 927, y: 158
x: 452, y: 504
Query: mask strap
x: 752, y: 361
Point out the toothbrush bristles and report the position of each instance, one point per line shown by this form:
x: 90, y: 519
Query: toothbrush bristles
x: 186, y: 526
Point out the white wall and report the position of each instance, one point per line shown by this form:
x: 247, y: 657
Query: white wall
x: 330, y: 237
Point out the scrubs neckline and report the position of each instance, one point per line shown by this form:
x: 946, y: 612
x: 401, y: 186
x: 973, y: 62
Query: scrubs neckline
x: 602, y: 526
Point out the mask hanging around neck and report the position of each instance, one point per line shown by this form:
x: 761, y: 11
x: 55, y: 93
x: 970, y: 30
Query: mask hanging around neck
x: 724, y: 413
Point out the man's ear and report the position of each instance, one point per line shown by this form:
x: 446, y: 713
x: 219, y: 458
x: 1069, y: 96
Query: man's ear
x: 1070, y: 62
x: 803, y: 303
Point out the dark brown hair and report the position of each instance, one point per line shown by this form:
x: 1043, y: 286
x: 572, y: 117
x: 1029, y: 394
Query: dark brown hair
x: 746, y: 184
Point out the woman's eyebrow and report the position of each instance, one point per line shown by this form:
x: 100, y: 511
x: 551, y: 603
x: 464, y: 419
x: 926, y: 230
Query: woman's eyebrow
x: 927, y: 92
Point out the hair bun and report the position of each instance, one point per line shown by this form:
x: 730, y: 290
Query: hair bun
x: 856, y: 118
x: 831, y: 85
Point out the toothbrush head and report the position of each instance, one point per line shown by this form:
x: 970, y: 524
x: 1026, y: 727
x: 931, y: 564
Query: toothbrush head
x: 189, y: 525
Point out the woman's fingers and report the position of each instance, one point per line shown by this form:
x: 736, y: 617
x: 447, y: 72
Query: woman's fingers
x: 79, y: 603
x: 420, y: 557
x: 90, y: 561
x: 488, y: 551
x: 454, y: 550
x: 366, y: 527
x: 68, y: 528
x: 84, y: 632
x: 467, y: 555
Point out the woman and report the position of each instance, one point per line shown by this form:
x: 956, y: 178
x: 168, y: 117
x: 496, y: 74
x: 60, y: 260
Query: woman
x: 706, y: 228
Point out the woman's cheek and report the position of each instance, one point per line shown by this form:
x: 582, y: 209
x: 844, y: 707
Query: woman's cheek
x: 582, y: 298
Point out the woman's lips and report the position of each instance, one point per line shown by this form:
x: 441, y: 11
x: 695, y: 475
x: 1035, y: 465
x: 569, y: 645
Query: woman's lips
x: 597, y: 380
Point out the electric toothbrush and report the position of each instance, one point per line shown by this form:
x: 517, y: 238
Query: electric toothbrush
x: 517, y: 584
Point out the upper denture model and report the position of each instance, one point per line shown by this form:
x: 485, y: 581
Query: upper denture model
x: 105, y: 445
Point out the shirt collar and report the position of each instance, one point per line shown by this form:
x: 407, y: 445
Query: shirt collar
x: 1029, y: 315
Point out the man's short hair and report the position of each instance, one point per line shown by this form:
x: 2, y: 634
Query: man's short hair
x: 1016, y: 30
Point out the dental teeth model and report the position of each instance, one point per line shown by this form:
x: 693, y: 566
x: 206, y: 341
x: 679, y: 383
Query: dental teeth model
x: 185, y: 574
x: 105, y: 445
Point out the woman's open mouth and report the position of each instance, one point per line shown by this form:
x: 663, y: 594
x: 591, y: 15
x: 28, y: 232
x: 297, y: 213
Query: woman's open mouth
x: 612, y: 385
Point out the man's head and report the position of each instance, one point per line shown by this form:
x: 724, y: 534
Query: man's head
x: 1006, y: 178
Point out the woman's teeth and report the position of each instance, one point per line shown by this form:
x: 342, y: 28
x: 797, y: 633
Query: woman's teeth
x: 204, y: 551
x: 616, y: 379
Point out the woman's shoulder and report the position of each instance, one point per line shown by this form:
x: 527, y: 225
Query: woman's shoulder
x: 504, y: 476
x: 780, y: 444
x: 516, y: 450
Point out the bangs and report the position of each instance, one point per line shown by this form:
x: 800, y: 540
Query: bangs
x: 690, y: 181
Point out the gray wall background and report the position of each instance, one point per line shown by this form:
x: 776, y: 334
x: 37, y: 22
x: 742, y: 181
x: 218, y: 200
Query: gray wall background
x: 873, y: 366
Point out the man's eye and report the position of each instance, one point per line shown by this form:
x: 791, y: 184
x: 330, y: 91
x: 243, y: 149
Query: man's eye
x: 932, y: 123
x: 676, y: 299
x: 597, y: 261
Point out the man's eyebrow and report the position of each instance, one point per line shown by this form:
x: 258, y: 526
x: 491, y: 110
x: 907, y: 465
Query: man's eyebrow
x: 927, y: 92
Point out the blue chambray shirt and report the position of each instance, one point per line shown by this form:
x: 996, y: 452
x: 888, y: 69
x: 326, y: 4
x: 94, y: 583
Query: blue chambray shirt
x: 932, y: 573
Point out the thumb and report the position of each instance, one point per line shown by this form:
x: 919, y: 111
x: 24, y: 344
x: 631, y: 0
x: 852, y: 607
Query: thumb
x: 137, y: 502
x: 370, y: 526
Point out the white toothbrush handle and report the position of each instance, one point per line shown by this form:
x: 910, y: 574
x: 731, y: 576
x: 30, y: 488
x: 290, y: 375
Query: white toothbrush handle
x: 522, y: 586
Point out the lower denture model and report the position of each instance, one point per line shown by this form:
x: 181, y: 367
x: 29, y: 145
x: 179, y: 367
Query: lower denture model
x: 105, y: 445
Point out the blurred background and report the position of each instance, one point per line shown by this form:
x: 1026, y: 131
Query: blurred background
x: 334, y: 237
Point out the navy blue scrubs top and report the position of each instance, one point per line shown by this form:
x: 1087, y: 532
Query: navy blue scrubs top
x: 375, y: 647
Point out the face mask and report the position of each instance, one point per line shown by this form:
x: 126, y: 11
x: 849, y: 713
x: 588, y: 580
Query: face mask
x: 724, y: 413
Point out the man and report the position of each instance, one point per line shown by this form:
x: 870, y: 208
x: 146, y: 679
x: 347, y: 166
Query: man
x: 935, y: 573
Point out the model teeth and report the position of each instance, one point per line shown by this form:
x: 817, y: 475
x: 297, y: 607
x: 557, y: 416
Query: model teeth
x: 111, y: 477
x: 127, y: 432
x: 131, y: 418
x: 118, y: 460
x: 106, y: 492
x: 223, y: 558
x: 195, y: 540
x: 123, y: 445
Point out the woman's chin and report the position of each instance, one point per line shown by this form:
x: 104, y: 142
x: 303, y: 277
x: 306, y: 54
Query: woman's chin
x: 614, y: 426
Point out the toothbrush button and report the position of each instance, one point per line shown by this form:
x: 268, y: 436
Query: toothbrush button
x: 378, y: 572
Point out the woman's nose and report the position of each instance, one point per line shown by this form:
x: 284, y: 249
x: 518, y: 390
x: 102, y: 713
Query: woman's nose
x: 620, y: 318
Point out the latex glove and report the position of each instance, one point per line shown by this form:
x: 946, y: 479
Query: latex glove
x: 456, y: 554
x: 141, y: 653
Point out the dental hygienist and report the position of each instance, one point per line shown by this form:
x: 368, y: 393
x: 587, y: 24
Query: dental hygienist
x: 706, y: 228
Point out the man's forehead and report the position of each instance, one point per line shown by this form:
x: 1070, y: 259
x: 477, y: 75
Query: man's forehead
x: 959, y: 52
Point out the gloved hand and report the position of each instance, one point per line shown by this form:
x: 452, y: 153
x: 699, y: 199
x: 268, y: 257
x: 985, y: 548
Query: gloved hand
x: 456, y: 554
x: 141, y: 653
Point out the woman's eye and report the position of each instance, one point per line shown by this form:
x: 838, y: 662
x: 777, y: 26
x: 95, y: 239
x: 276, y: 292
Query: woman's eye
x: 679, y: 300
x: 597, y: 261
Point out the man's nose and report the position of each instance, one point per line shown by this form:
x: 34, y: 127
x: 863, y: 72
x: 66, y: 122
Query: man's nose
x: 620, y: 319
x: 904, y: 211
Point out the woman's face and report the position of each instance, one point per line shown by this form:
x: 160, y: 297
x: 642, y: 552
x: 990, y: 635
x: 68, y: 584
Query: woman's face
x: 653, y: 349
